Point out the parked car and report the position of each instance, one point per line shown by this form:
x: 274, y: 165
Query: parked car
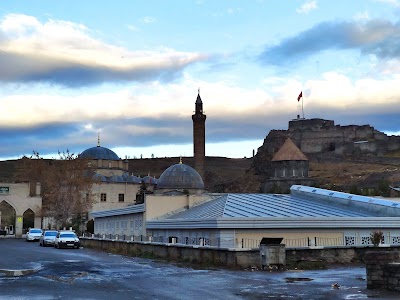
x: 47, y: 238
x: 66, y: 239
x: 33, y: 234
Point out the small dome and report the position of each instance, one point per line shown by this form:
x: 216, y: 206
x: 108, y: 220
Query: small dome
x: 149, y: 180
x: 99, y: 153
x: 116, y: 178
x: 133, y: 179
x: 180, y: 176
x: 99, y: 177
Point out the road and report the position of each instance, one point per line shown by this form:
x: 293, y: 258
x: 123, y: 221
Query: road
x: 91, y: 274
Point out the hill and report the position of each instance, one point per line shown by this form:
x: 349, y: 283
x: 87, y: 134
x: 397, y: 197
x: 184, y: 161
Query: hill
x: 239, y: 174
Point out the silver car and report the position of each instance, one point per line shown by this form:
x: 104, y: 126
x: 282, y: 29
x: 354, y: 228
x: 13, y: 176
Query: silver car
x: 33, y: 234
x: 67, y: 239
x: 47, y: 238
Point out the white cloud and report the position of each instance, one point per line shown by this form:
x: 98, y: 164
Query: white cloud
x: 307, y: 7
x: 44, y: 50
x: 395, y: 3
x: 361, y: 16
x: 148, y: 20
x: 133, y: 28
x: 155, y: 100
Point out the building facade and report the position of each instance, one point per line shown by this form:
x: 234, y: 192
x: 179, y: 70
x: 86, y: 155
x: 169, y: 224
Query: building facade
x: 17, y: 195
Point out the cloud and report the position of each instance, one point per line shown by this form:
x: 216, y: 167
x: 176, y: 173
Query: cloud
x: 148, y: 20
x: 153, y: 113
x: 307, y: 7
x: 361, y: 16
x: 67, y: 54
x: 133, y: 28
x: 395, y: 3
x: 377, y: 37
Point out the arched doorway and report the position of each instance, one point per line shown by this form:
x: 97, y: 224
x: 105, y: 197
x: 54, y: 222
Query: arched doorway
x: 7, y: 217
x: 29, y: 219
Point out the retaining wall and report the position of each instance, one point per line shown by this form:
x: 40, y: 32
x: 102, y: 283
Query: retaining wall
x: 230, y: 257
x: 383, y: 270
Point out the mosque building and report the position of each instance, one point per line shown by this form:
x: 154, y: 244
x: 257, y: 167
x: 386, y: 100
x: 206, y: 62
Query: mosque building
x: 114, y: 187
x: 181, y: 211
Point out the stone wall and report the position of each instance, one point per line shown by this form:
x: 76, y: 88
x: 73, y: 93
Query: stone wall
x: 229, y: 257
x: 383, y: 270
x: 208, y: 256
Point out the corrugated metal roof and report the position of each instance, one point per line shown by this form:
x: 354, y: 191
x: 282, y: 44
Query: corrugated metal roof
x: 265, y: 206
x: 132, y: 209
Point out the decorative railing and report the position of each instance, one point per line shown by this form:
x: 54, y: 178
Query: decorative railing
x: 249, y: 243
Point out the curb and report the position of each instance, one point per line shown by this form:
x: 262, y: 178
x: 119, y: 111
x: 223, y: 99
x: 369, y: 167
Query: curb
x: 17, y: 273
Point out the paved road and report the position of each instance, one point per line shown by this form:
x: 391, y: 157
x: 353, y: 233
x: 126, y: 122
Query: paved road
x: 90, y: 274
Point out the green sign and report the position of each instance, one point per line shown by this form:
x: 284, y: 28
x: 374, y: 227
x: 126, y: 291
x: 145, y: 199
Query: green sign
x: 4, y: 190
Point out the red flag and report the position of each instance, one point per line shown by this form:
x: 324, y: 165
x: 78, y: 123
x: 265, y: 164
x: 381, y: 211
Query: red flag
x: 300, y: 95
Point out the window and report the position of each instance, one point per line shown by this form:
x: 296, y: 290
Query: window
x: 103, y: 197
x: 121, y: 197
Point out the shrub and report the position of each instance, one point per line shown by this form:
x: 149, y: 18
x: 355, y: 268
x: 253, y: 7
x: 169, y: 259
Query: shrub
x: 376, y: 237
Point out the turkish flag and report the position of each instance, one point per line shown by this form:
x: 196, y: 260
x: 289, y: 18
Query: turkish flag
x: 300, y: 95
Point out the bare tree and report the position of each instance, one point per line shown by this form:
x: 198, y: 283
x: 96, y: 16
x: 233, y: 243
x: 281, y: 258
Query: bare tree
x: 65, y: 184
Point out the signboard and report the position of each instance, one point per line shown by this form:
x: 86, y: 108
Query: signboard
x: 19, y: 219
x: 4, y: 190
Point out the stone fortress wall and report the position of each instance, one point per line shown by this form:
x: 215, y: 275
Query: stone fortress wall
x: 315, y: 136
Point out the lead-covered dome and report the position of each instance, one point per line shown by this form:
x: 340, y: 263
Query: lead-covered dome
x: 180, y: 176
x: 99, y: 153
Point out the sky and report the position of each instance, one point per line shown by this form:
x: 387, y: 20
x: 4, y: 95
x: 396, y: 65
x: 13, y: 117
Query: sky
x: 130, y: 71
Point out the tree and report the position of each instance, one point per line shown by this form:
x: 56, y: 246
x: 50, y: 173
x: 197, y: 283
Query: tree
x: 65, y: 184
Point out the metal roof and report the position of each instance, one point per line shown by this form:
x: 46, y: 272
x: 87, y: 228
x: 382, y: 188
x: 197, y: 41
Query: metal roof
x: 267, y: 206
x: 376, y: 206
x: 99, y: 153
x: 180, y: 176
x: 132, y: 209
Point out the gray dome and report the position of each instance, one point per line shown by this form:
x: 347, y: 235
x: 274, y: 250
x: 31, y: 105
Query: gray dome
x: 116, y: 178
x: 99, y: 153
x: 133, y: 179
x: 180, y: 176
x: 149, y: 180
x: 100, y: 177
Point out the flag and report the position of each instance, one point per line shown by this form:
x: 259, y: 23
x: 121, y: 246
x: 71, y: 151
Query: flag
x: 300, y: 95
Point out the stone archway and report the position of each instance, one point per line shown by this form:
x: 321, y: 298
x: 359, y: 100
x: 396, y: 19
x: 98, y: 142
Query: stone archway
x: 28, y: 219
x: 8, y: 215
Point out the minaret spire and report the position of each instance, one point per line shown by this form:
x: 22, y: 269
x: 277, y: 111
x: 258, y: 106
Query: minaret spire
x: 199, y: 136
x: 98, y: 139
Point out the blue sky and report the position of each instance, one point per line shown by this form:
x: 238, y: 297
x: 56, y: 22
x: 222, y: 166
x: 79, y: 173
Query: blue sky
x: 130, y: 70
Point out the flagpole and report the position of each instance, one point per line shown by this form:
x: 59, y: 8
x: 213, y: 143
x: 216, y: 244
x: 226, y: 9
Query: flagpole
x: 302, y: 108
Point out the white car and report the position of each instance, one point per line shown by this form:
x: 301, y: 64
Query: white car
x: 33, y: 234
x: 47, y: 238
x: 66, y: 239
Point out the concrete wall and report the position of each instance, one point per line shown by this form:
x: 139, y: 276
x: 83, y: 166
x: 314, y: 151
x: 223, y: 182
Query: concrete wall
x: 158, y: 205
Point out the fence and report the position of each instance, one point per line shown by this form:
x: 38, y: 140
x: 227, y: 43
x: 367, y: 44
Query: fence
x: 249, y: 243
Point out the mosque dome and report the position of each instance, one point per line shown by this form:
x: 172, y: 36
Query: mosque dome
x: 99, y: 153
x: 180, y: 176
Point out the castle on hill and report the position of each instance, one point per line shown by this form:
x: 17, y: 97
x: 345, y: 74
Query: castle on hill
x: 315, y: 136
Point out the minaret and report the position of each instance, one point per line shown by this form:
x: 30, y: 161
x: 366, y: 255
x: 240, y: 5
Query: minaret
x: 199, y: 136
